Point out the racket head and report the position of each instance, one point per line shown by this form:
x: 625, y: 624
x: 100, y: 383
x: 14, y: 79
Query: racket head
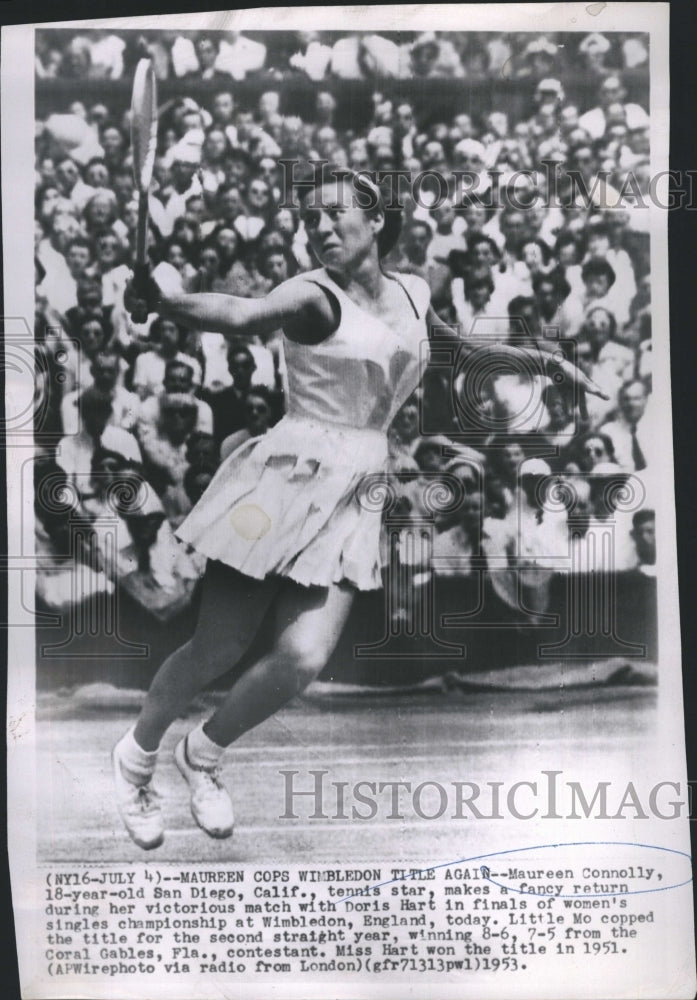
x: 144, y: 124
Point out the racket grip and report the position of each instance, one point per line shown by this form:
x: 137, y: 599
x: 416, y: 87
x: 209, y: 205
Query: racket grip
x: 141, y: 281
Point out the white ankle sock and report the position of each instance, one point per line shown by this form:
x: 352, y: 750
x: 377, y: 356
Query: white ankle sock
x: 137, y: 765
x: 202, y: 751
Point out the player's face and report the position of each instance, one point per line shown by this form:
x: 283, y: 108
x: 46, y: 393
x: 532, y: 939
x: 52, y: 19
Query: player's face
x: 340, y: 232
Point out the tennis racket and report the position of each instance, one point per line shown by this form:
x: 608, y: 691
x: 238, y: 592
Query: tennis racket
x: 143, y: 146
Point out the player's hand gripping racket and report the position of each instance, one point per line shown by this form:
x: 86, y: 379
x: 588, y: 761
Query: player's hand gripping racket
x: 143, y: 146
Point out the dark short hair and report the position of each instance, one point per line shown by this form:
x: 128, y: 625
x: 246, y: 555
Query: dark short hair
x: 556, y: 278
x: 237, y: 348
x: 480, y: 238
x: 178, y: 363
x: 566, y: 239
x: 643, y: 517
x: 544, y: 247
x: 263, y: 393
x: 599, y: 269
x: 476, y: 279
x: 520, y: 302
x: 608, y: 443
x: 95, y: 159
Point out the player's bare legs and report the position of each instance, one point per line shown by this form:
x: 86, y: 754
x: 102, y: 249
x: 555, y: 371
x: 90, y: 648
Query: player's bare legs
x: 307, y: 624
x: 233, y: 607
x: 232, y: 610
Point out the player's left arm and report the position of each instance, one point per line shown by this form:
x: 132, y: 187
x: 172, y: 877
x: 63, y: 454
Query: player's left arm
x: 538, y: 360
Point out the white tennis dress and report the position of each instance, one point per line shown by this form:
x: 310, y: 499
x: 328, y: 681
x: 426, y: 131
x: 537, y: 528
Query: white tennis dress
x: 290, y: 502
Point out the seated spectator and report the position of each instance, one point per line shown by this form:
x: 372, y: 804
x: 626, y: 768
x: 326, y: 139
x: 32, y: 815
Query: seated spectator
x: 76, y: 451
x: 475, y: 314
x: 227, y: 404
x: 622, y: 291
x: 617, y: 553
x: 149, y: 370
x: 629, y: 432
x: 165, y: 207
x: 153, y: 569
x: 101, y: 212
x: 592, y: 449
x: 164, y: 447
x: 600, y: 327
x: 431, y: 453
x: 258, y: 417
x: 403, y: 433
x: 207, y: 52
x: 562, y: 423
x: 105, y: 370
x: 238, y: 55
x: 197, y: 479
x: 70, y: 182
x: 598, y: 278
x: 523, y: 548
x: 92, y: 339
x: 557, y: 305
x: 534, y: 260
x: 458, y: 536
x: 611, y: 91
x: 277, y: 264
x: 178, y: 380
x: 56, y: 282
x: 69, y: 568
x: 431, y: 56
x: 203, y: 451
x: 449, y: 232
x: 90, y: 306
x: 644, y: 536
x: 415, y: 243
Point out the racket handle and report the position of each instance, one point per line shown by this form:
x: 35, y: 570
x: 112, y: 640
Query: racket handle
x: 141, y: 281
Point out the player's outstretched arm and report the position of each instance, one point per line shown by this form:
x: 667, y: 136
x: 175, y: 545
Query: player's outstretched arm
x: 541, y: 360
x: 291, y: 306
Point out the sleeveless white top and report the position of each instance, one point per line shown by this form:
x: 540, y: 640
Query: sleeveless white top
x: 292, y: 502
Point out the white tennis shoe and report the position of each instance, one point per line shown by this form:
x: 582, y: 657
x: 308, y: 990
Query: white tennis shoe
x: 210, y: 802
x: 139, y: 807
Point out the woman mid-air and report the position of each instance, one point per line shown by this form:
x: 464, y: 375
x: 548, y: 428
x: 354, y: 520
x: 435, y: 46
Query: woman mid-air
x: 287, y: 539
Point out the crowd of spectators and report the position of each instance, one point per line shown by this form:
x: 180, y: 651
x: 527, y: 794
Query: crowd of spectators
x: 321, y: 55
x: 134, y: 419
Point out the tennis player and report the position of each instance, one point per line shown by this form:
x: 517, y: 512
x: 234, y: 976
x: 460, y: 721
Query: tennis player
x: 287, y: 539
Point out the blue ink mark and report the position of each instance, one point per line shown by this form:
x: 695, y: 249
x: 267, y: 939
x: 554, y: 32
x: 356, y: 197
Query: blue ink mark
x: 486, y: 871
